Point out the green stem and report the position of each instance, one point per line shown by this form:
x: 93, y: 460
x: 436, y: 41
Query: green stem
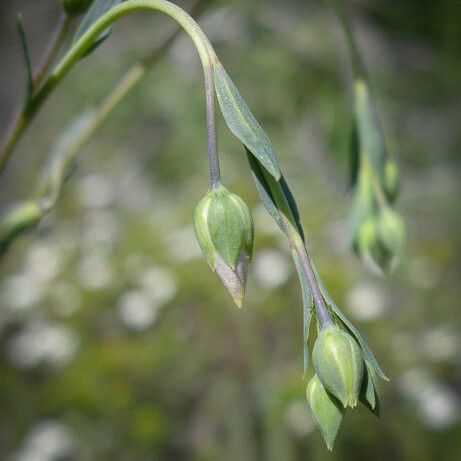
x: 213, y: 158
x: 129, y: 80
x: 358, y: 66
x: 19, y: 122
x: 50, y: 187
x: 293, y: 232
x: 297, y: 244
x: 201, y: 42
x: 56, y: 41
x: 368, y: 172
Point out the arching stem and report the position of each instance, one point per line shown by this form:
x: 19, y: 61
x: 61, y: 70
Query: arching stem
x: 201, y: 42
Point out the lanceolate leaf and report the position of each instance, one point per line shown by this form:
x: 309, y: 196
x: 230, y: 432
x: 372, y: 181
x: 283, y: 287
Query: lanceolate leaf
x: 276, y: 196
x: 243, y: 123
x: 97, y: 9
x: 367, y: 352
x: 308, y: 306
x: 29, y: 87
x: 264, y: 191
x: 369, y: 395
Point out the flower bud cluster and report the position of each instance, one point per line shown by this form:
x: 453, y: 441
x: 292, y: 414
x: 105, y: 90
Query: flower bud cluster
x: 338, y: 380
x: 224, y: 229
x: 378, y: 230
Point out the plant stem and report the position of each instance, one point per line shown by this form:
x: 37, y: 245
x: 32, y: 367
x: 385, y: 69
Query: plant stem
x: 358, y: 66
x: 292, y: 229
x: 201, y: 42
x: 213, y: 159
x: 99, y: 115
x: 299, y: 247
x: 129, y: 80
x: 54, y: 45
x: 19, y: 121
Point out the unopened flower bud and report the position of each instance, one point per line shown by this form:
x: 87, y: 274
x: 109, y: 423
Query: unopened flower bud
x: 338, y: 362
x: 391, y: 230
x: 17, y: 219
x: 370, y: 248
x: 326, y: 410
x: 224, y: 229
x: 391, y: 180
x: 75, y: 7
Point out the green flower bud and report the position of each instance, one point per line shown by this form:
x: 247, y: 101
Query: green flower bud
x: 75, y: 7
x: 391, y: 180
x: 327, y: 411
x: 370, y: 248
x: 224, y: 229
x: 338, y: 362
x: 17, y: 219
x: 391, y: 230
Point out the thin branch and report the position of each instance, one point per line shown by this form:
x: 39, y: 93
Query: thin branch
x: 18, y: 123
x: 323, y: 313
x: 201, y: 42
x: 52, y: 49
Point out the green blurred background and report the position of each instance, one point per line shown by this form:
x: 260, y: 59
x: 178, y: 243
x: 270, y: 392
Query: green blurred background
x: 117, y: 342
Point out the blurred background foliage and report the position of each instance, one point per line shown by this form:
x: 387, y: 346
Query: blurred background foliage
x: 117, y: 343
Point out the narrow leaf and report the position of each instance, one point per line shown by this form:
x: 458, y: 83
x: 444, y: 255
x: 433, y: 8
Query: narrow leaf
x: 275, y: 195
x: 264, y: 191
x: 243, y: 123
x: 97, y: 9
x: 369, y: 393
x: 308, y: 306
x: 29, y: 87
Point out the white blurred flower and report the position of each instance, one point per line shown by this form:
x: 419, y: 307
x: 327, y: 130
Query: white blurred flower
x: 366, y: 302
x: 95, y: 272
x: 271, y: 268
x: 183, y: 245
x: 43, y: 261
x: 136, y: 310
x: 159, y: 284
x: 298, y: 418
x: 263, y: 221
x: 21, y: 291
x: 100, y: 226
x: 38, y: 343
x: 134, y: 192
x: 440, y: 343
x: 66, y: 298
x: 49, y: 440
x: 414, y: 380
x: 438, y: 405
x: 95, y: 191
